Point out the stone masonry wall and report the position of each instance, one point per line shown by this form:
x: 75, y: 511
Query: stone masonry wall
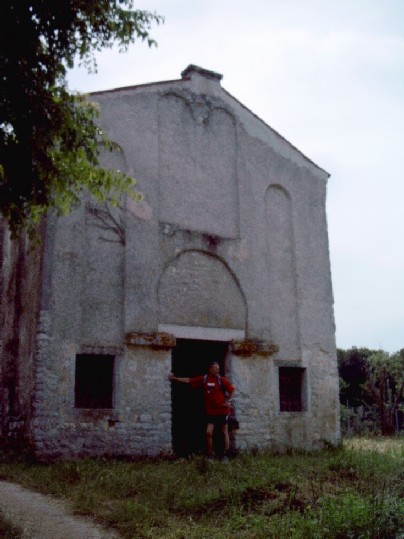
x: 139, y: 423
x: 254, y: 399
x: 262, y: 424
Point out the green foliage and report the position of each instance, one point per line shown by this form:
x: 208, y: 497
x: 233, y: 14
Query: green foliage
x: 388, y: 367
x: 347, y: 492
x: 49, y: 139
x: 385, y: 383
x: 371, y: 390
x: 352, y: 366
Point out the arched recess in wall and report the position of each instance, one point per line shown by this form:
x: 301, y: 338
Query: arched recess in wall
x: 198, y: 185
x: 283, y: 308
x: 103, y: 240
x: 198, y: 289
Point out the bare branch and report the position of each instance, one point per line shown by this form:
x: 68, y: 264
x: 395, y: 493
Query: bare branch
x: 105, y: 220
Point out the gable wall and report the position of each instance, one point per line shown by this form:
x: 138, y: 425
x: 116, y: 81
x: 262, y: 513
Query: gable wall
x: 227, y: 202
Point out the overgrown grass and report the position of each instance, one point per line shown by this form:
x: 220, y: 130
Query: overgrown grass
x: 352, y: 492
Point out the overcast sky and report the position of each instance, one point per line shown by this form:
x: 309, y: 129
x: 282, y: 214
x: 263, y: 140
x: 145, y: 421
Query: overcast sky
x: 328, y: 75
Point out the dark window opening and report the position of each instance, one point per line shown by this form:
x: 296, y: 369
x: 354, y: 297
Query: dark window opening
x: 94, y: 381
x: 291, y: 389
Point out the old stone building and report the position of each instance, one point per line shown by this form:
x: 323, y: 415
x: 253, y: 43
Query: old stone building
x: 226, y: 258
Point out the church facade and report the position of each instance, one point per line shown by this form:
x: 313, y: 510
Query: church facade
x: 225, y: 258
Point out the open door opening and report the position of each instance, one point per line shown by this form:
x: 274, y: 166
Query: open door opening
x: 191, y: 358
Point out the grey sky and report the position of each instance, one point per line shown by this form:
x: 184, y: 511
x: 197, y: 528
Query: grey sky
x: 328, y: 75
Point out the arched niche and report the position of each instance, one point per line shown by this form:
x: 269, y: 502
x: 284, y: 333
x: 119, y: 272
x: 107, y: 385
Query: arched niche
x: 198, y: 186
x: 283, y: 313
x: 198, y: 289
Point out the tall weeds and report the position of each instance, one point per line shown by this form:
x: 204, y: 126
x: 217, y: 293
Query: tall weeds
x: 351, y: 492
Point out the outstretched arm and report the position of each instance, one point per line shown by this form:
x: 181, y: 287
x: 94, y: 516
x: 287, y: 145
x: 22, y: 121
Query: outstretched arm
x: 177, y: 379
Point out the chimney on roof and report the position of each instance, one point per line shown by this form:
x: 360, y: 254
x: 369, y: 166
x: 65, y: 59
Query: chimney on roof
x: 191, y: 69
x: 203, y: 80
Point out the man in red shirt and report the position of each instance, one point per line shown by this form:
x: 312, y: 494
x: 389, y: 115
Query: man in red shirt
x: 218, y: 394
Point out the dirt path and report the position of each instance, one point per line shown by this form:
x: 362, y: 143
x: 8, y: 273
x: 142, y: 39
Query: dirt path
x: 42, y: 517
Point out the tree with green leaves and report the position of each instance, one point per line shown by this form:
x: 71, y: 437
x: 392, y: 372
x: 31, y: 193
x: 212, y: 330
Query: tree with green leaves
x: 353, y: 371
x: 49, y: 139
x: 385, y: 383
x: 371, y: 389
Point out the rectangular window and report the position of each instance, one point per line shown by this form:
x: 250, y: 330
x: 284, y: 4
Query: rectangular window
x: 94, y: 381
x: 291, y: 389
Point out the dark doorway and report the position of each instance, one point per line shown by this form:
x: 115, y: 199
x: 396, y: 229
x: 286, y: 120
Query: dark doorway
x: 191, y: 358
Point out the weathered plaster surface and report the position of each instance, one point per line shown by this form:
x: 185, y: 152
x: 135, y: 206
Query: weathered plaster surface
x: 231, y: 237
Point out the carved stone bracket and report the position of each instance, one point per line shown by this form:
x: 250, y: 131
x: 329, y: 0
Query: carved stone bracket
x: 257, y: 348
x: 154, y: 340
